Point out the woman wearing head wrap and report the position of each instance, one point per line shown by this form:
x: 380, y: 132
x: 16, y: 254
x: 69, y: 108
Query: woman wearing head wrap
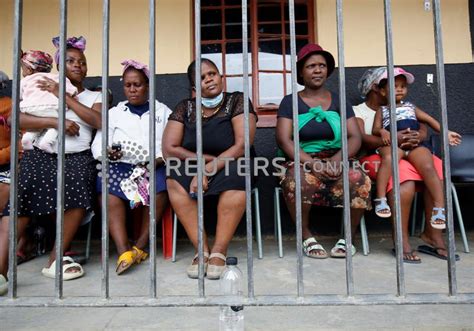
x: 320, y: 150
x: 128, y: 132
x: 36, y: 66
x: 223, y: 138
x: 38, y: 169
x: 409, y: 176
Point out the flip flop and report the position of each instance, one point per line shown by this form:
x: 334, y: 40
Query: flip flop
x: 433, y: 251
x: 407, y: 260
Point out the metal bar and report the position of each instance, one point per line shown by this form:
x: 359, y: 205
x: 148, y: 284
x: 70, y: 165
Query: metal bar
x: 275, y: 300
x: 344, y: 146
x: 152, y: 143
x: 460, y: 219
x: 445, y: 148
x: 197, y: 45
x: 105, y: 143
x: 15, y: 129
x: 248, y: 183
x: 61, y: 151
x: 296, y: 141
x: 394, y: 145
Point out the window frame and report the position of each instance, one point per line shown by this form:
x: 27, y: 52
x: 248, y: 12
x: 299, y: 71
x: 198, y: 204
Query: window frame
x: 266, y: 113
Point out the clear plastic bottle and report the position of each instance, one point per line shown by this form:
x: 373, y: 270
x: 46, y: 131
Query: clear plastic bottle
x: 231, y: 318
x: 40, y: 239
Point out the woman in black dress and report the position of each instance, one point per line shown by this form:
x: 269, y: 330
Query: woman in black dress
x: 223, y: 137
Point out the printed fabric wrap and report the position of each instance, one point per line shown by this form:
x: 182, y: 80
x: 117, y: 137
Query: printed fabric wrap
x: 137, y: 187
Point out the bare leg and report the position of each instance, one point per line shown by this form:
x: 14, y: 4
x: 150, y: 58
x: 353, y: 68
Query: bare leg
x: 117, y: 226
x: 422, y: 160
x: 161, y: 204
x: 385, y: 170
x: 4, y: 242
x: 4, y: 195
x: 186, y: 210
x: 72, y: 221
x: 306, y: 231
x: 431, y: 236
x: 230, y: 209
x: 407, y: 193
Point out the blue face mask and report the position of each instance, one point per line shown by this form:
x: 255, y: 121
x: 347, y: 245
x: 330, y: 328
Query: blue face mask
x: 212, y: 102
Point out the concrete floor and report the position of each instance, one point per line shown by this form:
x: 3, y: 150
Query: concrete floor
x: 373, y: 274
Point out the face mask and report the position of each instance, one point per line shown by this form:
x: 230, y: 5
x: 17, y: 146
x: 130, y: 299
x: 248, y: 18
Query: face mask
x: 212, y: 102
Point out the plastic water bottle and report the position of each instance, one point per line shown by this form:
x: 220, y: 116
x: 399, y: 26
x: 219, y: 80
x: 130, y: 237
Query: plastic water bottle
x: 231, y: 318
x: 40, y: 238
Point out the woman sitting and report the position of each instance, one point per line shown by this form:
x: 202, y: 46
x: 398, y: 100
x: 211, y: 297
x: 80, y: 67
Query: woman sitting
x: 129, y: 138
x: 38, y: 170
x: 319, y: 150
x: 409, y: 176
x: 223, y: 137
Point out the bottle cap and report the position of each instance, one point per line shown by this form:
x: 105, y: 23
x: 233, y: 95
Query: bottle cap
x: 231, y: 261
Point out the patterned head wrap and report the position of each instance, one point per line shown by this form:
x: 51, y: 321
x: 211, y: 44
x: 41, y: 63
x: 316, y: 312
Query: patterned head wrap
x: 137, y: 65
x: 78, y: 43
x: 368, y: 79
x: 38, y: 61
x: 3, y: 79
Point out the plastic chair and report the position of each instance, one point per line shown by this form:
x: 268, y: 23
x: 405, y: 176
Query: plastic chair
x: 278, y: 235
x: 256, y: 201
x: 462, y: 174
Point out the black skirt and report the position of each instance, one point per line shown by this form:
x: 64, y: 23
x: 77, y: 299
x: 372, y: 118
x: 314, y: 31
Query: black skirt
x: 38, y: 179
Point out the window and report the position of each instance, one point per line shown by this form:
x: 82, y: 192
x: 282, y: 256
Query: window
x: 269, y: 47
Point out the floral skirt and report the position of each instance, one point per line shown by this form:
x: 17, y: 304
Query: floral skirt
x: 319, y: 190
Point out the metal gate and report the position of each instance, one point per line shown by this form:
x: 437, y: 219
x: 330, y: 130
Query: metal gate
x: 201, y: 299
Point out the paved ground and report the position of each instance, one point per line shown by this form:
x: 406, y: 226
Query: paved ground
x: 372, y: 274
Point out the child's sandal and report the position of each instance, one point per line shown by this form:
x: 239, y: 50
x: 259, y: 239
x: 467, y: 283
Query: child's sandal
x: 382, y: 209
x: 438, y: 218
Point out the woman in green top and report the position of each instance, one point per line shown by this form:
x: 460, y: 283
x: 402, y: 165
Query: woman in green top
x: 320, y: 149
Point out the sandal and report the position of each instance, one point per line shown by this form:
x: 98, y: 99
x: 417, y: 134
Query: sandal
x: 382, y: 209
x: 311, y: 245
x: 140, y: 255
x: 341, y: 246
x: 125, y: 261
x: 68, y: 263
x: 3, y: 285
x: 408, y: 257
x: 438, y: 218
x: 193, y: 269
x: 215, y: 271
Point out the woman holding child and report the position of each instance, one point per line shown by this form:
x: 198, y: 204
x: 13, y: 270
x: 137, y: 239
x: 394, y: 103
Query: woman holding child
x: 408, y: 139
x: 320, y: 149
x: 38, y: 169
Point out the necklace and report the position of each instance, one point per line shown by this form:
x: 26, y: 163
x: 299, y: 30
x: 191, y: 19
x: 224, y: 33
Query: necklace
x: 214, y: 112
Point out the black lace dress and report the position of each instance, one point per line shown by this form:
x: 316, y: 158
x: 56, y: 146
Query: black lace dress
x: 218, y: 136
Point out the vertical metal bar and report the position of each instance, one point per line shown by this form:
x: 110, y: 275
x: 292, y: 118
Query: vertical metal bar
x: 296, y: 141
x: 445, y: 148
x: 248, y: 184
x: 152, y: 150
x: 394, y: 145
x: 344, y: 146
x: 197, y: 73
x: 105, y: 143
x: 13, y: 220
x: 61, y: 151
